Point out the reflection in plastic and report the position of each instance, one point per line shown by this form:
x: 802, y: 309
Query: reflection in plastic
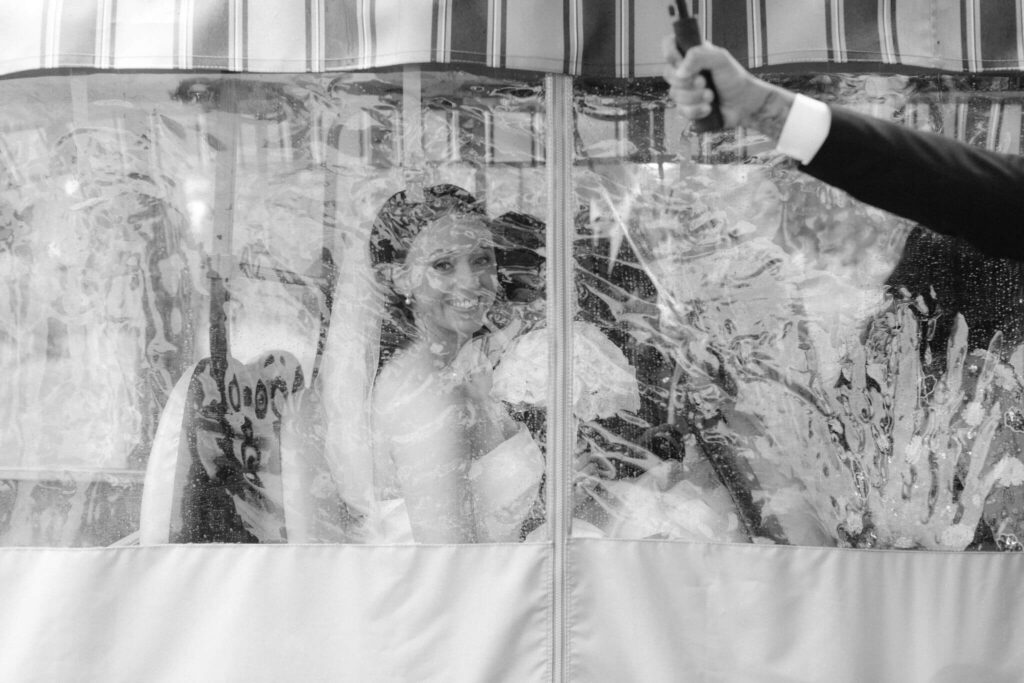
x: 813, y: 384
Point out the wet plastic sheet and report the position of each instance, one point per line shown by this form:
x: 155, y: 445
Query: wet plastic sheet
x: 809, y: 370
x: 192, y: 319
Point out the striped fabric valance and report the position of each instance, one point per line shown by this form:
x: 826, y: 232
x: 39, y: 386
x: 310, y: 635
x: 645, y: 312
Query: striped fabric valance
x: 618, y: 38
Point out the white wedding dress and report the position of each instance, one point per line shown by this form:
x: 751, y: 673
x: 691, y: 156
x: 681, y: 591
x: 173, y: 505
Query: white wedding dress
x: 505, y: 483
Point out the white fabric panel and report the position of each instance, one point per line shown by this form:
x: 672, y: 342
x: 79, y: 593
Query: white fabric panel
x: 400, y: 32
x: 801, y: 40
x: 145, y: 35
x: 281, y: 32
x: 534, y: 37
x: 651, y: 20
x: 670, y: 611
x: 20, y: 37
x: 276, y: 613
x: 950, y: 39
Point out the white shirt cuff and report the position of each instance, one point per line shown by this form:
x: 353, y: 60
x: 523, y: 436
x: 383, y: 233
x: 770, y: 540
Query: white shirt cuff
x: 805, y: 129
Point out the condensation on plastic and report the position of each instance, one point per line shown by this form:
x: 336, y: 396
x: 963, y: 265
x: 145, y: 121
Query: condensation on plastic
x: 809, y: 370
x: 756, y: 356
x: 137, y: 208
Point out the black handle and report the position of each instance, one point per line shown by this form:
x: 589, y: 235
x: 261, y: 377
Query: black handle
x: 688, y: 35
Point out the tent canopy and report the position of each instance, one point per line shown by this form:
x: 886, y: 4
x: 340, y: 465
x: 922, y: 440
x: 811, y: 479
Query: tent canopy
x: 608, y: 38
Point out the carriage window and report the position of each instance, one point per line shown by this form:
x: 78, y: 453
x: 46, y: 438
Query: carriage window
x: 779, y: 363
x: 269, y: 309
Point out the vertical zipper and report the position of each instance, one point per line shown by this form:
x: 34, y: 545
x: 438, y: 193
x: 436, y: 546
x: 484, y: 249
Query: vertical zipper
x: 560, y: 301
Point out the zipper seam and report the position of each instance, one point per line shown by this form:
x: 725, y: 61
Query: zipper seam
x: 561, y: 431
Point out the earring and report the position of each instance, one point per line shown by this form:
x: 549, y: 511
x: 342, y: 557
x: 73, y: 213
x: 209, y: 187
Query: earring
x: 408, y: 301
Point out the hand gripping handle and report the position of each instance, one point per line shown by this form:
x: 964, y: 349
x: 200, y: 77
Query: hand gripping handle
x: 688, y: 35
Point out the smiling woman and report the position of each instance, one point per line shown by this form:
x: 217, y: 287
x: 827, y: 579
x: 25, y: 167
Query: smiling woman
x: 451, y: 465
x: 451, y: 280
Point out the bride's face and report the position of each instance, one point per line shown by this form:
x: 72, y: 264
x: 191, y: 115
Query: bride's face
x: 452, y: 276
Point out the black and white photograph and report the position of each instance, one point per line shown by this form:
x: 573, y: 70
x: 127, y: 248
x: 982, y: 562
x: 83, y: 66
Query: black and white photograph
x: 511, y: 340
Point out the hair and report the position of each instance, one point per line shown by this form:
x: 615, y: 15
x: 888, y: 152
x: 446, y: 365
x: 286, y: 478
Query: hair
x: 397, y: 224
x: 520, y: 247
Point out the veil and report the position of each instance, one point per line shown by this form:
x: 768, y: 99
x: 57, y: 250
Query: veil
x: 350, y: 361
x: 328, y: 443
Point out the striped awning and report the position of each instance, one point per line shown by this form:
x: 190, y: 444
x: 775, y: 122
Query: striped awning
x: 618, y: 38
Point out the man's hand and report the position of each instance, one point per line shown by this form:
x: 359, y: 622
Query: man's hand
x: 744, y: 99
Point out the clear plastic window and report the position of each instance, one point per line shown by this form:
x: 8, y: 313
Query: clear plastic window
x: 312, y: 309
x: 198, y: 324
x: 789, y: 365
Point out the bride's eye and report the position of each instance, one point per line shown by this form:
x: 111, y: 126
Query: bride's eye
x: 483, y: 260
x: 443, y: 266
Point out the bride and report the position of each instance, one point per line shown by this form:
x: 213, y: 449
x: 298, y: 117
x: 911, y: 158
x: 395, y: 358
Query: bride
x: 450, y: 464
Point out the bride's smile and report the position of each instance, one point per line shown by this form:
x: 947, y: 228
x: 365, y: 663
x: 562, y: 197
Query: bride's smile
x: 451, y: 279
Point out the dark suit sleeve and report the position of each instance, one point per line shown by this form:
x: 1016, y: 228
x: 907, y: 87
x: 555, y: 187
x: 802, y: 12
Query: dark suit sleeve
x: 945, y: 185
